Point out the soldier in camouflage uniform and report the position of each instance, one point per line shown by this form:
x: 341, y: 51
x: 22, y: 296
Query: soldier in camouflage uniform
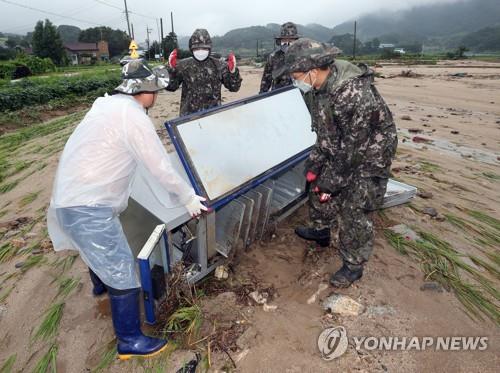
x: 349, y: 165
x: 202, y: 76
x: 276, y: 60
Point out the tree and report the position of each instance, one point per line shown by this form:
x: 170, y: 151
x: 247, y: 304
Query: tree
x: 346, y: 43
x: 69, y: 34
x: 118, y: 40
x: 47, y: 43
x: 169, y: 44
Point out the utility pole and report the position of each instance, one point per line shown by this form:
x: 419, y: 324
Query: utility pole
x: 133, y: 36
x: 128, y: 21
x: 161, y: 28
x: 354, y: 46
x: 172, y: 21
x: 257, y: 48
x: 148, y: 31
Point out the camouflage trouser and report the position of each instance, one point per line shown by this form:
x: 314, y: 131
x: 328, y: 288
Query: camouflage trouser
x: 350, y: 212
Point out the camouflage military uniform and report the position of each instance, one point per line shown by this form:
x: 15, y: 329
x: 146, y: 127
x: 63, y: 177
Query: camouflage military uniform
x: 356, y: 141
x: 202, y: 80
x: 276, y: 61
x: 352, y: 156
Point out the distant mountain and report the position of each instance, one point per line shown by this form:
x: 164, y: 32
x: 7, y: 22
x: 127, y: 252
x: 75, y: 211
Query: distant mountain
x: 426, y: 21
x: 69, y: 34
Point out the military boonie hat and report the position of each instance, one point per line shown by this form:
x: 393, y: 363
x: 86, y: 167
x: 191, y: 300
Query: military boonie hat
x: 288, y: 31
x: 200, y: 39
x: 138, y: 77
x: 306, y: 54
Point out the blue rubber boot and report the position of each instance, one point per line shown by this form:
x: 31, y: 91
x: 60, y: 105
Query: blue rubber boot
x: 126, y: 321
x: 99, y: 287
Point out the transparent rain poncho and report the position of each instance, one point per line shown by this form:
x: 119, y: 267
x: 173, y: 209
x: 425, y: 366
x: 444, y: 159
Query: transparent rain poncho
x: 93, y: 183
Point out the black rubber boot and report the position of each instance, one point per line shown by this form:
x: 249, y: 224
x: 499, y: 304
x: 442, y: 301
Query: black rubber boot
x: 99, y: 287
x: 345, y: 276
x: 321, y: 236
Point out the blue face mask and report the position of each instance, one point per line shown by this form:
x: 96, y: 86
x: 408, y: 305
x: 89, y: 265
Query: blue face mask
x: 302, y: 85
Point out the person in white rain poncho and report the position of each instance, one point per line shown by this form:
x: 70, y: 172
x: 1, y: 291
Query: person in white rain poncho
x: 92, y: 187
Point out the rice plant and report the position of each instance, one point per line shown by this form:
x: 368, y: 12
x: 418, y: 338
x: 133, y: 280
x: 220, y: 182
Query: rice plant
x: 66, y: 286
x: 429, y: 167
x: 50, y: 324
x: 6, y: 294
x: 491, y: 176
x: 186, y: 320
x: 7, y: 187
x: 32, y: 261
x: 48, y: 361
x: 28, y: 199
x: 442, y: 263
x: 62, y: 264
x: 8, y: 364
x: 107, y: 357
x: 7, y: 252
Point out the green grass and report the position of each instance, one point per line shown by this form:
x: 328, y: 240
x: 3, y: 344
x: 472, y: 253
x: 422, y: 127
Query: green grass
x: 483, y: 235
x: 50, y: 324
x: 442, y: 263
x: 28, y: 199
x: 8, y: 364
x: 66, y: 286
x: 47, y: 364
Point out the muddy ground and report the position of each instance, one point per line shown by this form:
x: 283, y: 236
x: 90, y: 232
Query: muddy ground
x: 454, y: 160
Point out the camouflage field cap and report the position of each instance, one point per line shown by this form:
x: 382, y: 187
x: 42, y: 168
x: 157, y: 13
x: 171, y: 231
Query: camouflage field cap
x: 306, y: 54
x: 288, y: 31
x: 200, y: 39
x: 138, y: 77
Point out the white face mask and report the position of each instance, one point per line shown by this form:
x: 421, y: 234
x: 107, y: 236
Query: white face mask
x: 201, y: 54
x: 302, y: 85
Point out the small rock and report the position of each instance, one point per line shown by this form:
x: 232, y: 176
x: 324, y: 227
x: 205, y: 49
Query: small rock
x: 415, y: 130
x: 431, y: 211
x: 36, y: 252
x: 247, y: 339
x: 30, y: 235
x: 440, y: 218
x: 432, y: 286
x: 19, y: 265
x: 342, y: 305
x: 424, y: 194
x: 380, y: 310
x: 455, y: 132
x: 46, y: 244
x: 406, y: 117
x: 268, y: 308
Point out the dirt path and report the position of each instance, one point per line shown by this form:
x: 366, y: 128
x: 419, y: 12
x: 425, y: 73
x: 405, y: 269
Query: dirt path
x: 283, y: 339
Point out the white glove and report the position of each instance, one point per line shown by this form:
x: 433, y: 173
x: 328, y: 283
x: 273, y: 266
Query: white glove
x: 195, y: 206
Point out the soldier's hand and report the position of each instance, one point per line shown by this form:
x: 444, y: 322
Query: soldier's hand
x: 311, y: 176
x: 324, y: 197
x: 172, y: 59
x: 231, y: 63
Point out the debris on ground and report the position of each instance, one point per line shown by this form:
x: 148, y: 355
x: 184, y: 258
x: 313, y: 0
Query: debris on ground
x: 405, y: 231
x: 247, y: 339
x: 414, y: 130
x: 420, y: 139
x: 262, y: 298
x: 455, y: 132
x: 221, y: 272
x: 342, y: 305
x: 406, y: 117
x: 322, y: 287
x: 432, y: 286
x: 380, y: 311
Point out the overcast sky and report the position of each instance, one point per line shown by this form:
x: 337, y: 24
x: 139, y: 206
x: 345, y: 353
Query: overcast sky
x: 218, y: 16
